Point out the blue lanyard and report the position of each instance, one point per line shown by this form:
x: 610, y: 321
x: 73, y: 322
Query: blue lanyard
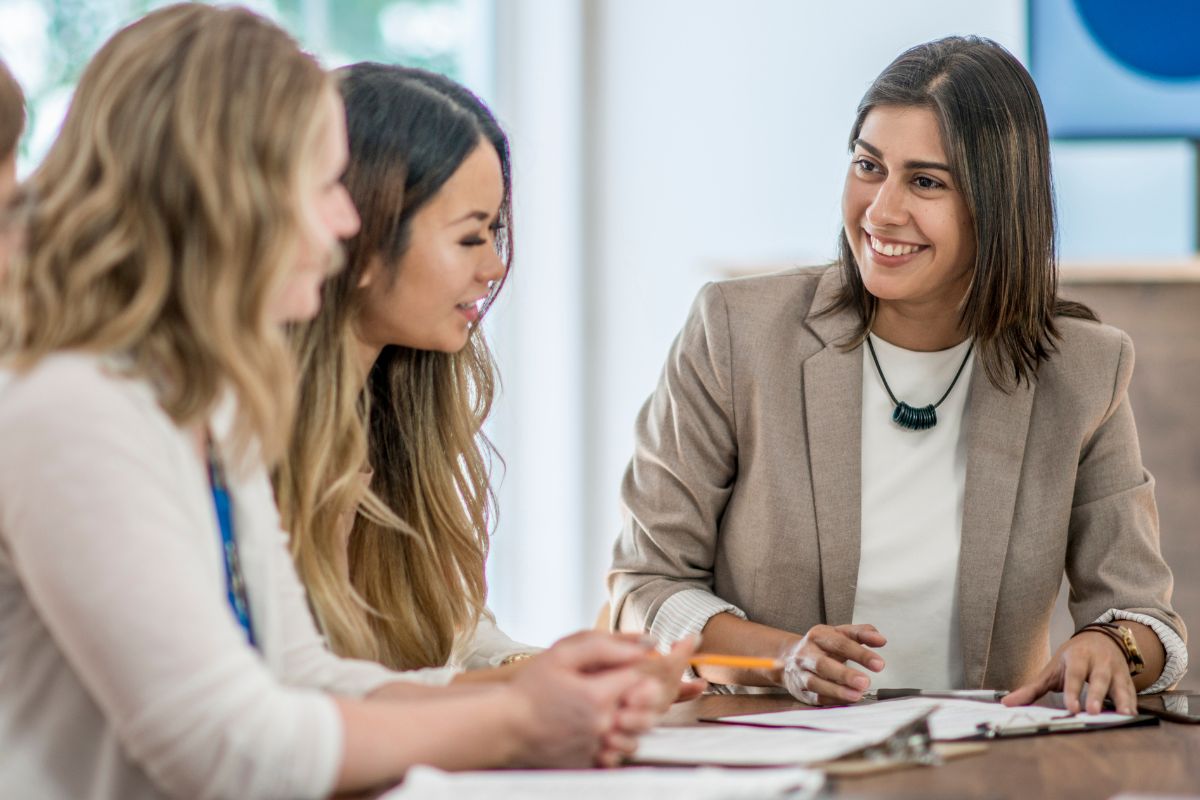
x: 235, y: 582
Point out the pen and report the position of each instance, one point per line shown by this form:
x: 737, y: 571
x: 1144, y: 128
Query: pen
x: 742, y: 662
x: 988, y: 695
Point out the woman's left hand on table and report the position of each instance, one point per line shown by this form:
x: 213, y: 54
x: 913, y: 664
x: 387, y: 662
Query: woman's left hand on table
x: 1090, y: 658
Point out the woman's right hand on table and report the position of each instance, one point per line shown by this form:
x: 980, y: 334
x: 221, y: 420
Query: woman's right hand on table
x: 817, y: 671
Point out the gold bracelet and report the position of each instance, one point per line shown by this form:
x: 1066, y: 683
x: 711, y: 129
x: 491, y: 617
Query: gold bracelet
x: 1124, y: 639
x: 516, y: 658
x: 1137, y: 664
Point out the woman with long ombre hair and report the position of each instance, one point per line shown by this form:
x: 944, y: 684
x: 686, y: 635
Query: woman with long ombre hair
x: 156, y: 638
x: 393, y: 553
x: 386, y: 485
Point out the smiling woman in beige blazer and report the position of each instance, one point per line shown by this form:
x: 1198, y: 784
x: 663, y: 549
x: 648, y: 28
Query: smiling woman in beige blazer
x: 786, y: 501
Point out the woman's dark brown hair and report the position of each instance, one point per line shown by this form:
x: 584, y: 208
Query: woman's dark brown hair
x: 993, y: 128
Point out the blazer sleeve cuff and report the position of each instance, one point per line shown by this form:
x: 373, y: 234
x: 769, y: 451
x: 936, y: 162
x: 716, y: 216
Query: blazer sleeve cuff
x: 1177, y: 657
x: 687, y: 612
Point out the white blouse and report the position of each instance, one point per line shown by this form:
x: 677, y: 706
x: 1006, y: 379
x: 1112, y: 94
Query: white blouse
x: 123, y: 671
x: 913, y: 485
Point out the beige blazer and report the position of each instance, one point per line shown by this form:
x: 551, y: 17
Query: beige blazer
x: 745, y: 480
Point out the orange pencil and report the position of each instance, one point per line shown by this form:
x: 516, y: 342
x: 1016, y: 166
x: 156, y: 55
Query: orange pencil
x: 741, y: 662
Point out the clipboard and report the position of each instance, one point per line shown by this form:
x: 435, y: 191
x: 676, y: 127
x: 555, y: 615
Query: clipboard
x: 910, y: 745
x: 962, y: 720
x: 1072, y: 724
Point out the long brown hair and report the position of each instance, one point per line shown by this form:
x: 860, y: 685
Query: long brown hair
x: 12, y: 111
x: 163, y: 220
x: 994, y: 129
x: 419, y: 540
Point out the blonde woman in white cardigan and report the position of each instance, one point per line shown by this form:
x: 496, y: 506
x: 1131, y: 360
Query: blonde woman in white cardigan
x: 156, y: 640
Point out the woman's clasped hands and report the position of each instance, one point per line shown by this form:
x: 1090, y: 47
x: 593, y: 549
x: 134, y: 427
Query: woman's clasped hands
x: 588, y: 698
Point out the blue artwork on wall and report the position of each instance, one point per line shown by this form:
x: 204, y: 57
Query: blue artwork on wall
x: 1117, y: 68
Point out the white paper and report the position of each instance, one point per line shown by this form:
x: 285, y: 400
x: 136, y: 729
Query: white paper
x: 702, y: 783
x: 953, y: 719
x: 742, y: 745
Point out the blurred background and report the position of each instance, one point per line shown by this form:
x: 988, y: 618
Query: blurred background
x: 660, y: 144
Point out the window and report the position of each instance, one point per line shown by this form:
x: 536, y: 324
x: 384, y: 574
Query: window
x: 47, y: 43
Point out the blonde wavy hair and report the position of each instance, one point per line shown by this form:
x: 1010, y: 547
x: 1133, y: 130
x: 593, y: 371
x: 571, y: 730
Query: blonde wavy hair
x: 163, y: 220
x: 410, y: 579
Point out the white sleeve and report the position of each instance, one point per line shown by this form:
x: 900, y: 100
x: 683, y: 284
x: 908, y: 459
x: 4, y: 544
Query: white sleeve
x: 488, y: 646
x: 1177, y: 657
x: 686, y: 613
x: 107, y: 553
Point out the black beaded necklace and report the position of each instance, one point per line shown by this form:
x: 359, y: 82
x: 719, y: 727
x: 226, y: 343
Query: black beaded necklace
x: 904, y: 415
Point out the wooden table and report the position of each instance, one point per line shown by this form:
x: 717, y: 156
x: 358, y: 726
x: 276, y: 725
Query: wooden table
x: 1098, y: 764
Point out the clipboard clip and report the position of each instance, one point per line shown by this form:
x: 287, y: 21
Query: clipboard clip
x: 911, y: 743
x: 1022, y: 725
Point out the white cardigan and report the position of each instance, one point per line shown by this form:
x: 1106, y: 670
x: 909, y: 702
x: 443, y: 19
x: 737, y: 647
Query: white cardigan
x: 123, y: 672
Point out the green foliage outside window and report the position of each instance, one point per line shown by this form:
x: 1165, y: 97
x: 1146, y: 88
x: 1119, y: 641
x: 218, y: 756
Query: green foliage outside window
x: 47, y: 43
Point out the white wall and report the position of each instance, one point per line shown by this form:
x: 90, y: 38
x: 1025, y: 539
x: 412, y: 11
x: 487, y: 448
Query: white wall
x: 536, y: 567
x: 708, y: 133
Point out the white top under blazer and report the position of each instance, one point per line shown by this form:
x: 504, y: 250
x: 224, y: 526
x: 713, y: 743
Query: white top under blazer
x: 913, y: 490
